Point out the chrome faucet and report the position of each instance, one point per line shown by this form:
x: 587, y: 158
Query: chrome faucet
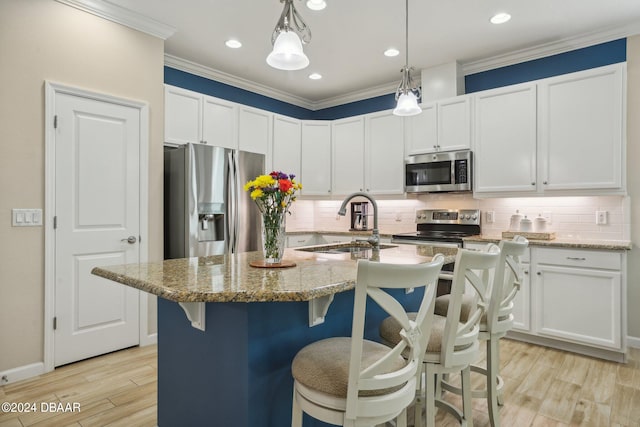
x: 374, y: 240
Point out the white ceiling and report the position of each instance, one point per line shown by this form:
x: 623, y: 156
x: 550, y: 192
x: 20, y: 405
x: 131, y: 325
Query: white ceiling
x: 349, y: 37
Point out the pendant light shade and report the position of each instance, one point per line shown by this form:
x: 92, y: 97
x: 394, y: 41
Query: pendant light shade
x: 408, y: 92
x: 287, y: 52
x: 287, y: 38
x: 407, y: 105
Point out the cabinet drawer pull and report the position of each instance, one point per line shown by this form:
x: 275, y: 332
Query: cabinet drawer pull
x: 573, y: 258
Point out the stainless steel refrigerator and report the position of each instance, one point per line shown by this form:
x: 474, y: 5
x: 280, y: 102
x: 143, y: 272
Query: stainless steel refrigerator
x: 207, y: 212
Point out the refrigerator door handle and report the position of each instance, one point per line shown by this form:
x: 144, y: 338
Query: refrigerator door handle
x: 236, y: 202
x: 231, y: 203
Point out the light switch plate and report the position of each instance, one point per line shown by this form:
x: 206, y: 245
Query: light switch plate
x: 26, y: 217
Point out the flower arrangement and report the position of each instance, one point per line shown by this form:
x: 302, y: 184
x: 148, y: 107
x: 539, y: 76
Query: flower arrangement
x: 273, y: 194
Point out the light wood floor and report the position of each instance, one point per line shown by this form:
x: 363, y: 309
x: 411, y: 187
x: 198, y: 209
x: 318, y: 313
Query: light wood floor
x: 543, y: 387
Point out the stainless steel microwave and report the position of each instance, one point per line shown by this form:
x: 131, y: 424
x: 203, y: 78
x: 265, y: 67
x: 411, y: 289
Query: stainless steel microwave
x: 441, y: 172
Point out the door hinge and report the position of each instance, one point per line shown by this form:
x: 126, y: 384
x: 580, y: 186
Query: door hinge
x: 55, y: 122
x: 55, y: 323
x: 55, y: 222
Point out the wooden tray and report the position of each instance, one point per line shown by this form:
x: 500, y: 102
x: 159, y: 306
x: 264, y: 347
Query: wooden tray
x: 262, y: 264
x: 547, y: 235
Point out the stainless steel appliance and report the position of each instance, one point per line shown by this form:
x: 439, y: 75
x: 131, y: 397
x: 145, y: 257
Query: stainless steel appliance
x: 441, y: 227
x: 206, y: 210
x: 449, y: 171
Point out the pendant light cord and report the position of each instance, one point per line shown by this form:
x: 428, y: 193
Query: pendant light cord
x: 406, y: 35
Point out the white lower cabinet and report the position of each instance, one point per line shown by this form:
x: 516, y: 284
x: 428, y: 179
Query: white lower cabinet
x: 578, y: 296
x: 334, y: 238
x: 298, y: 240
x: 572, y: 298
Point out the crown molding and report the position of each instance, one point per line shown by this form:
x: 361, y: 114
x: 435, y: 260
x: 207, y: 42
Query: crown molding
x: 222, y: 77
x: 123, y: 16
x: 383, y: 89
x: 549, y: 49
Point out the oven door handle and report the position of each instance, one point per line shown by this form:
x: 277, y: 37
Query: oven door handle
x: 426, y: 243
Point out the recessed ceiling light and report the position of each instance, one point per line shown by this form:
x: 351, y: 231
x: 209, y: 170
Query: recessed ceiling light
x: 391, y: 52
x: 315, y: 76
x: 500, y: 18
x: 233, y: 44
x: 316, y: 4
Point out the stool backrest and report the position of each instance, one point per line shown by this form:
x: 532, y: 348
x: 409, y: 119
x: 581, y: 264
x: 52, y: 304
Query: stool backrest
x: 372, y: 279
x: 506, y: 284
x: 460, y: 338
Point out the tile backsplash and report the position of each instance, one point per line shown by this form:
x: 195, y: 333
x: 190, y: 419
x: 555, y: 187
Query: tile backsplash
x: 571, y: 217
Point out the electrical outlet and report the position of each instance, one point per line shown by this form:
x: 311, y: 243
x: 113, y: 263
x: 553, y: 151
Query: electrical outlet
x: 398, y: 217
x: 490, y: 217
x: 601, y: 217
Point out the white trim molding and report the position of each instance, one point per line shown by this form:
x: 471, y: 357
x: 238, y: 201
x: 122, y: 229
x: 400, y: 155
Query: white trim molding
x: 548, y: 49
x: 633, y: 342
x: 122, y: 16
x: 21, y: 373
x: 51, y: 89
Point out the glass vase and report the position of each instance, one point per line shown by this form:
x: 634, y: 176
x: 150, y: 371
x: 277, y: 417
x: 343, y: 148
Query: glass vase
x: 273, y: 237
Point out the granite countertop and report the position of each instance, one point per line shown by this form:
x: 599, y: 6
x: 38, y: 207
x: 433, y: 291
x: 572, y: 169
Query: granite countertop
x: 339, y: 233
x: 563, y: 242
x: 230, y: 278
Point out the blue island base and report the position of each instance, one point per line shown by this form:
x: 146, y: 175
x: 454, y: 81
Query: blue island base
x: 237, y: 373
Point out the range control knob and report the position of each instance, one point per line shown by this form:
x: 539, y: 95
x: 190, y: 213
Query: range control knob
x: 474, y: 217
x: 467, y: 216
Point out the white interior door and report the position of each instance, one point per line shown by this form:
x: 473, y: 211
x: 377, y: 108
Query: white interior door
x: 97, y: 207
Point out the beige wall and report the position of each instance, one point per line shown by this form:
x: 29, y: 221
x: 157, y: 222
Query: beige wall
x: 633, y: 180
x: 46, y: 40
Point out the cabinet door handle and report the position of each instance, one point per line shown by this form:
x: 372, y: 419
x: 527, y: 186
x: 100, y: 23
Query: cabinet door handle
x: 573, y: 258
x: 539, y: 273
x: 533, y: 183
x: 544, y: 182
x: 526, y: 272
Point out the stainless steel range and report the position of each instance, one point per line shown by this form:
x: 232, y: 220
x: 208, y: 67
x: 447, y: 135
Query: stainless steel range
x: 441, y: 227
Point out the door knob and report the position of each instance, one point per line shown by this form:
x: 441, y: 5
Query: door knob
x: 130, y: 240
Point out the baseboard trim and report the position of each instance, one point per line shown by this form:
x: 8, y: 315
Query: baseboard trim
x: 615, y: 356
x: 21, y: 373
x: 633, y: 342
x: 150, y: 339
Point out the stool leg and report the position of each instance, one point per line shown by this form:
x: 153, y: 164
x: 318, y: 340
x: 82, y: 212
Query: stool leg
x: 493, y: 364
x: 430, y: 395
x: 467, y: 411
x: 420, y: 401
x: 296, y: 411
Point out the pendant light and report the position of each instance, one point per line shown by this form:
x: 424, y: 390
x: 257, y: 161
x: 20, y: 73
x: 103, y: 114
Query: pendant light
x: 286, y: 38
x: 407, y: 93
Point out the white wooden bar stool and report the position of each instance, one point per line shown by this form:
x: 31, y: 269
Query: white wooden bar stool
x: 453, y: 344
x: 350, y: 381
x: 497, y: 321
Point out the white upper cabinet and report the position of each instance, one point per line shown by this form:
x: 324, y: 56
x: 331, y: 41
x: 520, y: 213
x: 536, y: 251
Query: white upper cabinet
x: 183, y: 116
x: 286, y: 145
x: 562, y: 135
x: 442, y: 126
x: 347, y: 144
x: 421, y: 131
x: 581, y: 118
x: 219, y: 122
x: 316, y: 158
x: 505, y: 139
x: 384, y: 150
x: 254, y: 131
x: 197, y: 118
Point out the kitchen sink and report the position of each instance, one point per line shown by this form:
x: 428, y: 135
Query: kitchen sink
x: 352, y: 247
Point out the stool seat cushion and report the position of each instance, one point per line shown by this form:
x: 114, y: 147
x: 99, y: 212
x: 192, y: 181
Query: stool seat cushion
x: 324, y: 365
x: 390, y: 332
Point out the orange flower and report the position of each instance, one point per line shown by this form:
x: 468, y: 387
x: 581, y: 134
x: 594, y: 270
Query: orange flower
x: 284, y: 185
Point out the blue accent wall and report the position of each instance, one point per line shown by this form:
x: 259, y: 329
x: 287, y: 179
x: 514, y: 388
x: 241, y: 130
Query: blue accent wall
x: 379, y: 103
x: 555, y: 65
x: 231, y: 93
x: 562, y: 63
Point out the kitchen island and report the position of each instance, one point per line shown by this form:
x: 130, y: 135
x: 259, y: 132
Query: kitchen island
x: 236, y: 372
